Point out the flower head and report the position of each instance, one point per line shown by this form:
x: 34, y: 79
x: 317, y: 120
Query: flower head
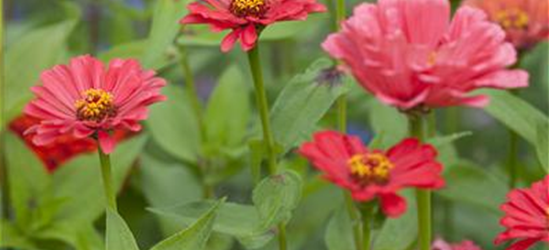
x: 245, y: 17
x: 440, y: 244
x: 86, y: 99
x: 64, y: 148
x: 526, y: 22
x: 408, y: 53
x: 371, y: 174
x: 526, y: 216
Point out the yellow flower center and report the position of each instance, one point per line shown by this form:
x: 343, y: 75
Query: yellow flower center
x: 95, y: 105
x: 370, y: 168
x: 243, y: 8
x: 512, y: 18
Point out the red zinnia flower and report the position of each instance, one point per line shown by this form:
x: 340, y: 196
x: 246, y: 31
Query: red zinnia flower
x: 408, y: 53
x: 526, y: 216
x: 85, y: 99
x: 526, y: 22
x: 440, y: 244
x: 245, y: 17
x: 371, y: 174
x: 64, y: 148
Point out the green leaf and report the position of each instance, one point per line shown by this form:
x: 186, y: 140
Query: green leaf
x: 228, y: 112
x: 239, y: 221
x: 388, y: 122
x: 276, y: 197
x: 164, y: 29
x: 25, y: 60
x: 119, y: 235
x: 173, y: 125
x: 28, y: 181
x: 195, y: 237
x: 474, y: 185
x: 542, y: 146
x: 301, y: 104
x: 79, y: 181
x: 516, y: 114
x: 159, y: 179
x: 399, y: 233
x: 339, y: 233
x: 440, y: 141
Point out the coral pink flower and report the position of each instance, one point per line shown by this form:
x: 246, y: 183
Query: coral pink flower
x: 64, y: 148
x: 526, y: 22
x: 370, y: 173
x: 86, y: 99
x: 408, y: 54
x: 526, y: 216
x: 440, y: 244
x: 246, y: 17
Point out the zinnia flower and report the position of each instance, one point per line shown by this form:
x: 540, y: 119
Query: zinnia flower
x: 526, y: 216
x: 64, y: 148
x: 246, y: 18
x: 408, y: 53
x: 526, y: 22
x: 86, y: 99
x: 440, y: 244
x: 370, y: 173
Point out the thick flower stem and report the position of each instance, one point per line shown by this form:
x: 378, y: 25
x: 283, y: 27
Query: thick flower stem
x: 367, y: 215
x: 423, y: 197
x: 263, y: 106
x: 106, y: 173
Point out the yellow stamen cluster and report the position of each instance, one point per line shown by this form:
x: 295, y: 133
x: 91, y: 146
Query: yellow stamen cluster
x: 95, y: 105
x: 370, y: 168
x: 512, y: 18
x: 242, y: 8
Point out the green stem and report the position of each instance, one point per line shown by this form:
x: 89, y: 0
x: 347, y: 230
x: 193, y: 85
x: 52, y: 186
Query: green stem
x: 263, y: 106
x: 192, y: 95
x: 423, y: 197
x: 106, y: 173
x: 340, y: 12
x: 354, y: 215
x: 367, y: 215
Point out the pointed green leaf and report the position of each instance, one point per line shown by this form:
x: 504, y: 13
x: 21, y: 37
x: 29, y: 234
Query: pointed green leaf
x: 228, y: 111
x: 388, y: 122
x: 27, y: 178
x: 516, y: 114
x: 339, y: 234
x: 302, y: 103
x: 25, y: 60
x: 399, y: 233
x: 119, y: 235
x: 276, y: 197
x: 173, y: 125
x: 164, y: 29
x: 440, y: 141
x: 195, y: 236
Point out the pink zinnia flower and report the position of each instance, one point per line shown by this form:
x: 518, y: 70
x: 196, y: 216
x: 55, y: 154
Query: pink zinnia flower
x: 247, y: 17
x: 440, y: 244
x: 370, y: 173
x: 526, y: 216
x: 526, y: 22
x: 85, y: 99
x: 408, y: 53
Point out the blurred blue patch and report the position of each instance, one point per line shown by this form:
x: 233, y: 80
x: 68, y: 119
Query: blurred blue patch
x: 360, y: 131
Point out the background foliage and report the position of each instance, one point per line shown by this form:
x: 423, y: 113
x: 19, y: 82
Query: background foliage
x: 160, y: 173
